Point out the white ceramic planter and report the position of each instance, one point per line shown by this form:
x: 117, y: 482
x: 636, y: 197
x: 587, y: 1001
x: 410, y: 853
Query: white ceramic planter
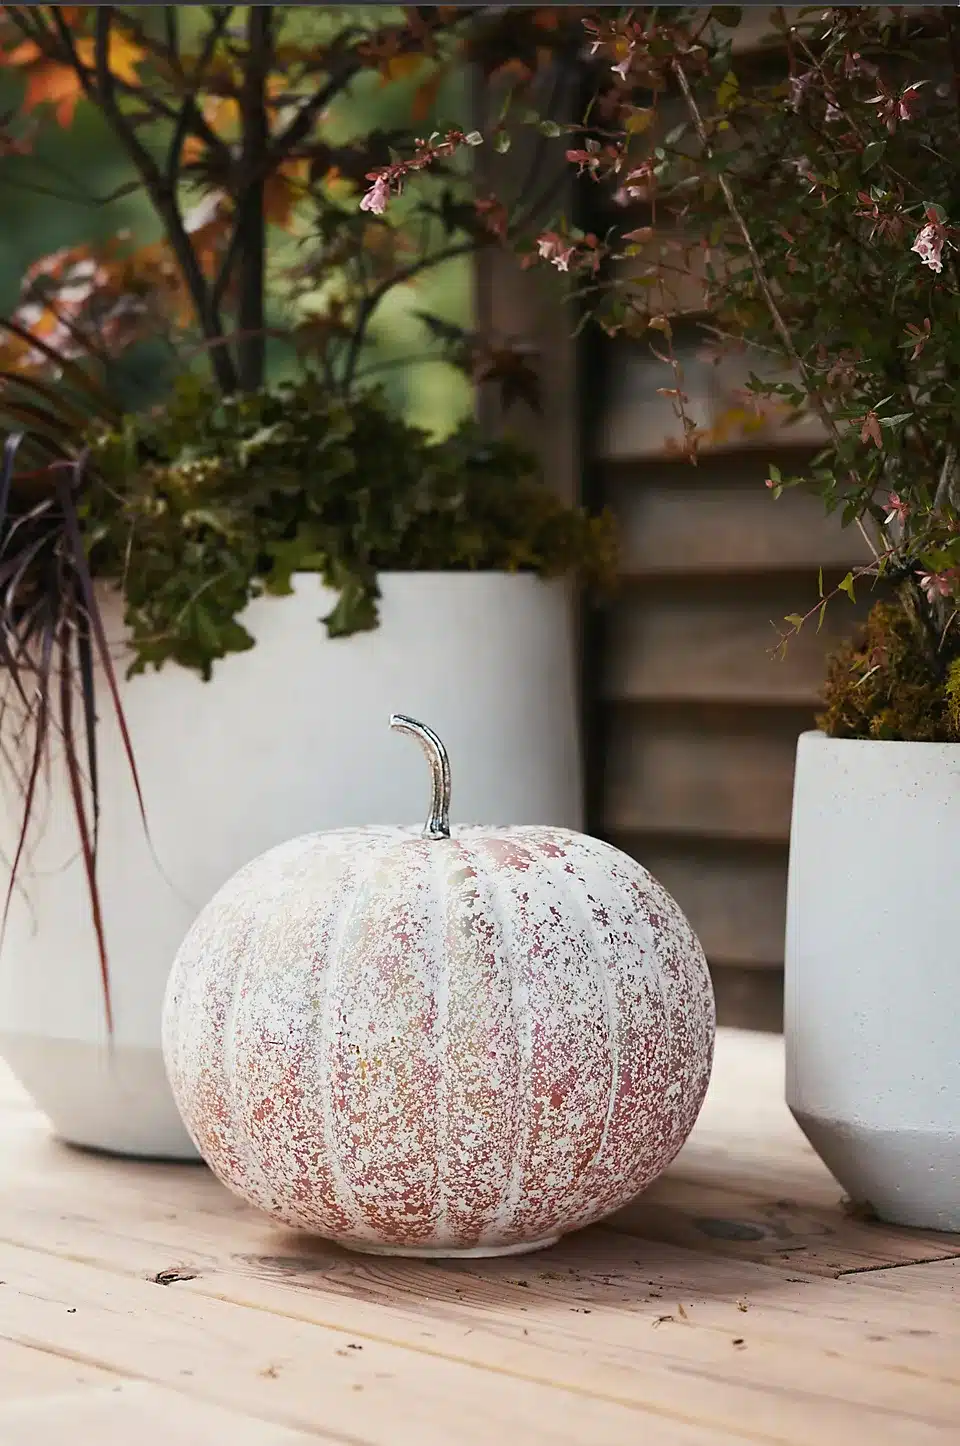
x: 289, y: 737
x: 872, y: 1009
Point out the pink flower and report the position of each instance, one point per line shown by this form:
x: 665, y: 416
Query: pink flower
x: 937, y: 584
x: 897, y: 509
x: 551, y: 248
x: 622, y: 67
x: 929, y: 246
x: 376, y: 198
x: 798, y: 89
x: 907, y: 103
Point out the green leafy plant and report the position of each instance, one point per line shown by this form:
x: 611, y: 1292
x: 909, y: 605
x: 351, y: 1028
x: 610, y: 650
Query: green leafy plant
x: 209, y: 501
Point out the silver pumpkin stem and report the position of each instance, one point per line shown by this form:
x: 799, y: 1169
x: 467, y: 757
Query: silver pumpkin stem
x: 437, y: 825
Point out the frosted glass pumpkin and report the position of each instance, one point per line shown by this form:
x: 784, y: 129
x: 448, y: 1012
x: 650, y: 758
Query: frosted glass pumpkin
x: 435, y: 1042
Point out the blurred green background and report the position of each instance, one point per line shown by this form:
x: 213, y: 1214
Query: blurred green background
x: 54, y: 198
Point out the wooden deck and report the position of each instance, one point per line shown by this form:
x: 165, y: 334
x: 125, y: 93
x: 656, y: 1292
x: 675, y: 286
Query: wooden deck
x: 736, y: 1302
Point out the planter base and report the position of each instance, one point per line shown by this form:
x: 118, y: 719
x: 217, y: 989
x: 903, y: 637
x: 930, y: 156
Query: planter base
x: 893, y: 1171
x: 452, y: 1252
x: 117, y: 1101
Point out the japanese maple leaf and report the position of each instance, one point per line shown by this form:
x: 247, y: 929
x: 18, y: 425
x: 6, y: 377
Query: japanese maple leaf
x: 49, y: 82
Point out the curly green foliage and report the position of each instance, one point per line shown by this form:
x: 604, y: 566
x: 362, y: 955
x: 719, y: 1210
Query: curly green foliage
x: 892, y: 682
x: 206, y: 503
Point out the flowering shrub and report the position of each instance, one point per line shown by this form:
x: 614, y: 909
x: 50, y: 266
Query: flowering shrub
x: 820, y: 208
x: 823, y: 204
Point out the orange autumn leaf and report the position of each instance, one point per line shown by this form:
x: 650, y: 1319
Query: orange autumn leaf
x: 425, y: 96
x: 23, y: 54
x: 401, y: 67
x: 282, y: 191
x: 56, y: 85
x: 50, y: 83
x: 123, y: 56
x: 222, y: 113
x: 194, y: 150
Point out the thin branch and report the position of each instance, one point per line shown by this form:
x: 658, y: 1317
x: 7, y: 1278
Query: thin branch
x: 759, y: 271
x: 162, y: 196
x: 948, y: 477
x: 250, y: 223
x: 398, y: 278
x: 191, y: 118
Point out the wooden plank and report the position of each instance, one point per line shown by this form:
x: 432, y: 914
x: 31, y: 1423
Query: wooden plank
x: 525, y: 309
x: 513, y: 1322
x: 714, y: 644
x: 27, y: 1375
x: 692, y: 772
x: 595, y: 1340
x: 920, y: 1282
x: 721, y: 520
x: 639, y: 423
x: 734, y: 894
x: 348, y: 1372
x: 118, y: 1415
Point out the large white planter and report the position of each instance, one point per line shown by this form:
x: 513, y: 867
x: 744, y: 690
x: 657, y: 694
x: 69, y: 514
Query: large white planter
x: 289, y: 737
x: 872, y: 1010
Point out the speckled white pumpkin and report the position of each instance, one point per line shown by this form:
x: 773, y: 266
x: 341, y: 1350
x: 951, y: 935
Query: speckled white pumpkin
x: 426, y: 1044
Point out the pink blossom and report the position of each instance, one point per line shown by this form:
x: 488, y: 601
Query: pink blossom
x: 376, y: 198
x: 929, y: 246
x: 897, y: 509
x: 798, y: 89
x: 906, y: 105
x: 551, y: 248
x: 938, y: 584
x: 622, y: 67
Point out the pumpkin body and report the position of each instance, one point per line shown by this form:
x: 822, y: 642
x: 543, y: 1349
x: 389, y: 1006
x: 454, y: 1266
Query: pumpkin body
x: 434, y: 1047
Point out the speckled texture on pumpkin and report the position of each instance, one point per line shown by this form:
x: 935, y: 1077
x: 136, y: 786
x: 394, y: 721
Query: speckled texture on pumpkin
x: 473, y: 1042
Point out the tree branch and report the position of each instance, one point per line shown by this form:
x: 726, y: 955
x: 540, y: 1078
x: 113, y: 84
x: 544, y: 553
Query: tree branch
x: 162, y: 195
x: 249, y: 239
x: 398, y: 278
x: 759, y: 271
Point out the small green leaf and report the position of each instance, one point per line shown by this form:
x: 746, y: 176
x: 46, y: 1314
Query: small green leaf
x: 820, y: 582
x: 794, y: 619
x: 355, y: 612
x: 872, y: 152
x: 638, y: 121
x: 549, y: 128
x: 728, y: 91
x: 847, y: 586
x: 822, y: 615
x: 501, y: 142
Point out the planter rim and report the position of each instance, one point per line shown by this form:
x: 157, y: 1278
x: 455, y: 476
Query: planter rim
x: 875, y: 744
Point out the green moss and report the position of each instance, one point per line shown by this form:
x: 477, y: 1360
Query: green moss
x: 891, y: 682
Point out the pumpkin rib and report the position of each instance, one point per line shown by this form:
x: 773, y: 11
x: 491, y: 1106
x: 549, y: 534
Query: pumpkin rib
x: 351, y: 878
x: 613, y: 1021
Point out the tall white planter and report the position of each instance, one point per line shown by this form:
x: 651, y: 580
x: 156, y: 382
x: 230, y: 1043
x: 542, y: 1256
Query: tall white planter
x: 872, y: 1010
x: 288, y: 738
